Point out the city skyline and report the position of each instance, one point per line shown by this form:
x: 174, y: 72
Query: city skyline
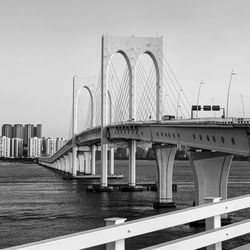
x: 45, y: 43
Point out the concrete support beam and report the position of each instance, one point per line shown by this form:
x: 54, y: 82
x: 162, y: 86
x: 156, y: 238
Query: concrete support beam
x: 74, y: 160
x: 104, y: 169
x: 81, y: 162
x: 165, y: 161
x: 66, y: 158
x: 70, y: 162
x: 87, y: 163
x: 57, y: 165
x: 93, y: 151
x: 211, y: 170
x: 132, y: 164
x: 62, y: 164
x: 111, y: 161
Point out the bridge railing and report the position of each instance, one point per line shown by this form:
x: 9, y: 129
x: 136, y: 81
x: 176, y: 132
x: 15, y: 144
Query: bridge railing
x: 211, y: 121
x: 115, y: 235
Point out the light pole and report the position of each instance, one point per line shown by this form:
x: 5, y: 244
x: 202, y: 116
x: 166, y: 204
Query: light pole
x: 198, y: 96
x: 228, y: 91
x: 243, y: 107
x: 178, y: 100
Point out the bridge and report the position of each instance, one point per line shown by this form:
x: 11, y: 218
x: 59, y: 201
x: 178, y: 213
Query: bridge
x: 128, y: 114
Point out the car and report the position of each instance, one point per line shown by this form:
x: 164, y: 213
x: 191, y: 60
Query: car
x: 168, y: 118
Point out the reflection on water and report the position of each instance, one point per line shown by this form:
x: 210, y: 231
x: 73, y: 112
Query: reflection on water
x: 36, y: 203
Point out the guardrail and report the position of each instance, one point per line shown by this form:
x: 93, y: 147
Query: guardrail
x: 114, y: 235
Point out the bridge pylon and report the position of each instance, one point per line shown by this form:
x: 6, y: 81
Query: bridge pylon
x: 89, y: 84
x: 131, y: 48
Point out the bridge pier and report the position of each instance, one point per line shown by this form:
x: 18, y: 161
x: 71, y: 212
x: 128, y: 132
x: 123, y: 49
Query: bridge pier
x: 81, y: 162
x: 165, y: 161
x: 70, y: 162
x: 104, y: 167
x: 87, y: 170
x: 104, y: 170
x: 66, y: 158
x: 132, y: 164
x: 211, y: 170
x: 93, y: 151
x: 74, y: 161
x: 58, y: 162
x: 111, y: 161
x: 62, y: 164
x: 57, y: 165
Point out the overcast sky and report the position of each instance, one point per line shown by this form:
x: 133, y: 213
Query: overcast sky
x: 43, y: 43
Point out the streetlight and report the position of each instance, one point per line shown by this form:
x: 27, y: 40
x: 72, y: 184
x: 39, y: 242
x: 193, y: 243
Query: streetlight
x: 228, y: 91
x: 178, y: 100
x: 198, y: 97
x: 243, y: 108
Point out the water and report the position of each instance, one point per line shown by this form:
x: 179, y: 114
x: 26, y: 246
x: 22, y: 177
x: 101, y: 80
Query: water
x: 36, y: 203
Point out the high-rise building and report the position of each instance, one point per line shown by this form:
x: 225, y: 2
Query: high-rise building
x: 18, y: 131
x: 16, y: 148
x: 50, y: 146
x: 38, y: 130
x: 4, y: 146
x: 28, y: 133
x: 44, y: 146
x: 7, y: 130
x: 34, y: 147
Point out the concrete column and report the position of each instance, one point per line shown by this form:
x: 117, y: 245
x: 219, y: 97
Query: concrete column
x: 57, y: 165
x: 62, y: 164
x: 165, y: 161
x: 104, y: 169
x: 74, y: 160
x: 211, y: 170
x: 111, y: 161
x: 81, y: 162
x: 66, y: 158
x: 87, y: 163
x: 93, y: 150
x: 132, y: 163
x: 70, y: 162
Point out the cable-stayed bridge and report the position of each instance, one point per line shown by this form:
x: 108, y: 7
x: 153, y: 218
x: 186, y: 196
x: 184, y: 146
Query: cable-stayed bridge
x: 126, y: 110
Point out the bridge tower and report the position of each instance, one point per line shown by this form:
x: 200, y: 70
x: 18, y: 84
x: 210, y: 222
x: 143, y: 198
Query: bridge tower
x: 131, y: 48
x: 87, y: 83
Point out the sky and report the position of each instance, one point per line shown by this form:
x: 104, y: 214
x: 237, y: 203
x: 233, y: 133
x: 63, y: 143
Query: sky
x: 44, y: 43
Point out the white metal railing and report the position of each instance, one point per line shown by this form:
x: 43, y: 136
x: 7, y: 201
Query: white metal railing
x: 115, y: 235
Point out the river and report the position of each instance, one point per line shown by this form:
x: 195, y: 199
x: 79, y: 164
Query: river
x: 37, y: 203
